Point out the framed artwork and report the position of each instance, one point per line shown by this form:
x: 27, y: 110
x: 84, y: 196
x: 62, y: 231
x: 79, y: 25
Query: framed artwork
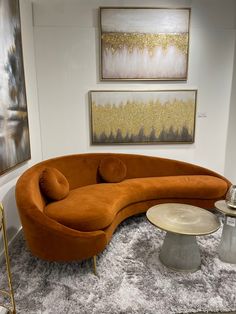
x: 142, y: 117
x: 14, y: 129
x: 144, y: 43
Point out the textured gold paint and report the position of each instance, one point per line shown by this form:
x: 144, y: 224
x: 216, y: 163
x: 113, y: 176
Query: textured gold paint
x: 141, y: 41
x: 130, y: 116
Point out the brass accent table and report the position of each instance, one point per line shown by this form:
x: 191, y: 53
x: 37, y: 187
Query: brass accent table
x: 227, y: 246
x: 183, y: 223
x: 9, y: 293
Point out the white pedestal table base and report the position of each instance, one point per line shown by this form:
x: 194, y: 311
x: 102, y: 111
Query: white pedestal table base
x: 227, y: 246
x: 180, y: 252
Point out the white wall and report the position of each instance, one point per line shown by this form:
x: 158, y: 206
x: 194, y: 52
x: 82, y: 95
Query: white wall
x: 67, y: 61
x: 8, y: 180
x: 230, y: 161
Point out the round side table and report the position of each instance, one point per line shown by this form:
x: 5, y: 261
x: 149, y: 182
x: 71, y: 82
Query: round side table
x: 183, y: 223
x: 227, y: 246
x: 9, y: 293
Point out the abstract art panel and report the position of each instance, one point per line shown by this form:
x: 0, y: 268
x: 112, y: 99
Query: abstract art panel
x: 144, y: 43
x: 14, y: 129
x: 142, y: 117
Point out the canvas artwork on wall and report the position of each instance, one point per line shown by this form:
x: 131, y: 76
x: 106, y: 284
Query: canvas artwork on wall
x: 14, y: 130
x: 144, y: 43
x: 142, y: 117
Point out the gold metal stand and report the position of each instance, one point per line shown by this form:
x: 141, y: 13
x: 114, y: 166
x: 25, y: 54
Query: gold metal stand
x: 95, y: 265
x: 9, y: 293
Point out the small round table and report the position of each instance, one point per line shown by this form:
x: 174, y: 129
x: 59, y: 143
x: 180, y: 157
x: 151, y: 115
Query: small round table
x: 183, y: 223
x: 227, y: 246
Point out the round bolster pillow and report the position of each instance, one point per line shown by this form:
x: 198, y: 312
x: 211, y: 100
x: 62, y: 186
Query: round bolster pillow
x: 112, y: 169
x: 54, y: 184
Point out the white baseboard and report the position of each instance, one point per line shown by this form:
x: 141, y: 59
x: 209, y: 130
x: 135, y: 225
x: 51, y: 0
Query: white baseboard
x: 3, y: 310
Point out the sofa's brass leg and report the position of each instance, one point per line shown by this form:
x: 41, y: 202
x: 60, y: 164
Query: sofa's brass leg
x: 95, y: 265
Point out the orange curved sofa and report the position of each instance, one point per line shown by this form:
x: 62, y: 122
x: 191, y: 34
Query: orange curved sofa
x: 81, y: 225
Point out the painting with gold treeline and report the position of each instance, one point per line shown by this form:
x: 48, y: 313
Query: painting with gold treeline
x: 139, y: 122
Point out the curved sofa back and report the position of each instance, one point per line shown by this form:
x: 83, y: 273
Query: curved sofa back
x: 82, y: 169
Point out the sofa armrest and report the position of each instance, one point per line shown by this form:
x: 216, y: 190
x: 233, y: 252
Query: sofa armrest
x: 50, y: 240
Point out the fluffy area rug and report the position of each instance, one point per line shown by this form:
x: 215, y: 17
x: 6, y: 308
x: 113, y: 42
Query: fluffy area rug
x: 131, y: 279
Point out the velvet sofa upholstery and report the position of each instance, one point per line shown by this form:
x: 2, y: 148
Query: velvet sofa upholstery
x: 81, y: 224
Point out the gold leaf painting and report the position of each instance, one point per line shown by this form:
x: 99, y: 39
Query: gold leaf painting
x: 142, y: 117
x: 144, y: 43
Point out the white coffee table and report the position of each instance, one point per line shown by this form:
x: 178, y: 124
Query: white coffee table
x: 227, y: 246
x: 183, y: 223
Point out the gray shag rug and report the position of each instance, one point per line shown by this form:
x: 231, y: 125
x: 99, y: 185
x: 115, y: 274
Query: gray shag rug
x: 131, y: 279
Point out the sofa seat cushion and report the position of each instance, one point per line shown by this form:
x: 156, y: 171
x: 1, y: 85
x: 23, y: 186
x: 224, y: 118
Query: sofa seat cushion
x: 94, y: 207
